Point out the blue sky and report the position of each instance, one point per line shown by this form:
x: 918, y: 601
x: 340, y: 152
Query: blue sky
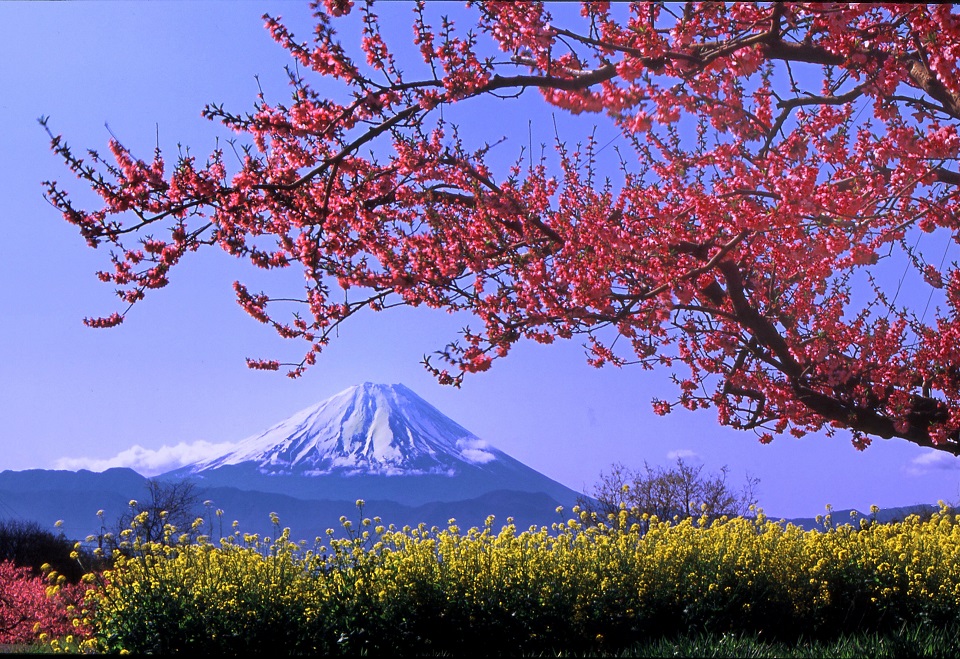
x: 174, y: 375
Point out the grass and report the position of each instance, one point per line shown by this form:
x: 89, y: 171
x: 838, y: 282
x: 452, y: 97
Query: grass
x: 21, y: 648
x: 909, y: 641
x: 915, y: 641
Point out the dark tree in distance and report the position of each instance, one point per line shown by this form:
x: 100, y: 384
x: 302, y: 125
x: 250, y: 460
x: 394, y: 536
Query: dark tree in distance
x: 27, y: 544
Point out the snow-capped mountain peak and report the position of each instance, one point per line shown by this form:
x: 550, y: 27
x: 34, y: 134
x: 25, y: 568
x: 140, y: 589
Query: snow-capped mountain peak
x: 365, y: 429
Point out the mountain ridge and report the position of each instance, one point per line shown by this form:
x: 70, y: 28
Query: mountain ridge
x: 368, y: 428
x: 380, y: 443
x: 371, y: 441
x: 46, y: 496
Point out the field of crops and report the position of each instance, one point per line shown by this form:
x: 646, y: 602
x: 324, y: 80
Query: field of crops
x: 578, y: 587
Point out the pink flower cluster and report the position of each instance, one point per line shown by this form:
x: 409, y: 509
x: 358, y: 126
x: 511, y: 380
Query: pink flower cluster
x: 29, y: 606
x: 739, y: 232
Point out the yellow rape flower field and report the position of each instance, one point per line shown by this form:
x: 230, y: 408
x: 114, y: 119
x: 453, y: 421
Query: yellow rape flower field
x: 582, y: 586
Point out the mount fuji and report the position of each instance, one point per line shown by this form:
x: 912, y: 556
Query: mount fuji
x: 371, y: 441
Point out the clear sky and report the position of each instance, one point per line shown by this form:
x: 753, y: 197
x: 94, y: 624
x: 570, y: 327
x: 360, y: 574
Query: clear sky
x: 173, y: 376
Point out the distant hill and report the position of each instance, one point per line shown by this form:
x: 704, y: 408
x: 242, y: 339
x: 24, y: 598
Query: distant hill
x: 883, y: 516
x: 46, y: 496
x: 381, y: 443
x: 75, y: 497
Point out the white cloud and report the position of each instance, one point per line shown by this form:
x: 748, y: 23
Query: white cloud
x: 473, y: 450
x: 933, y: 460
x: 685, y: 454
x: 150, y: 462
x: 478, y: 456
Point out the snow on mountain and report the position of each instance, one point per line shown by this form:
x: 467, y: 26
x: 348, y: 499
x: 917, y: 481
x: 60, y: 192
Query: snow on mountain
x: 371, y: 441
x: 371, y: 429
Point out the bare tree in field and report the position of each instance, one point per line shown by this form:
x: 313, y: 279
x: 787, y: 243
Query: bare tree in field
x: 175, y: 503
x: 681, y: 491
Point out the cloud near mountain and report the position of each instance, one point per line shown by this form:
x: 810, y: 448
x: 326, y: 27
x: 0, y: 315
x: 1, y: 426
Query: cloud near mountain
x: 475, y: 451
x: 371, y: 441
x: 151, y: 462
x: 383, y: 419
x: 932, y: 461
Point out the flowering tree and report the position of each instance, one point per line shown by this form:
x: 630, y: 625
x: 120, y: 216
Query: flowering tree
x: 776, y: 161
x: 30, y: 606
